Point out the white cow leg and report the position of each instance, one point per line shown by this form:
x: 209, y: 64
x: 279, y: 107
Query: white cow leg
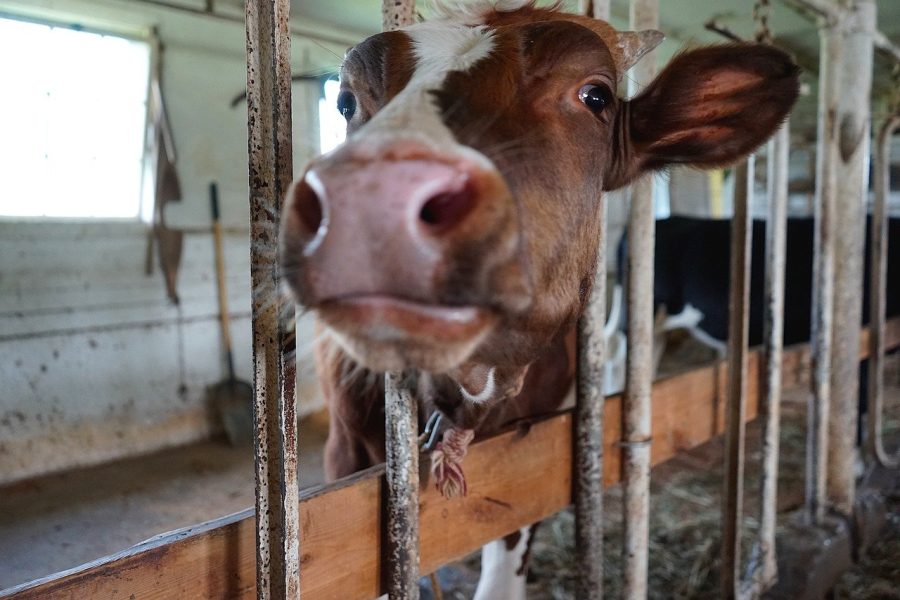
x: 503, y: 569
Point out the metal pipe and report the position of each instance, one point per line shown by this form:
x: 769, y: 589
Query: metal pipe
x: 818, y: 408
x: 852, y: 173
x: 738, y: 318
x: 402, y: 459
x: 588, y: 422
x: 402, y: 431
x: 275, y: 417
x: 878, y: 295
x: 202, y: 12
x: 770, y: 406
x: 636, y: 418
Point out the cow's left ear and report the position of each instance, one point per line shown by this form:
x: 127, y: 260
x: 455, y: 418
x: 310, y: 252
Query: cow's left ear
x: 708, y: 108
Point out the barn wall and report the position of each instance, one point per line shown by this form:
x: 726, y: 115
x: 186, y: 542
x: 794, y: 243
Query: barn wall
x: 95, y: 363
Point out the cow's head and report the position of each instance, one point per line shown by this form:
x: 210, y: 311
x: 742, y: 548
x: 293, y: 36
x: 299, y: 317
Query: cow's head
x: 457, y: 228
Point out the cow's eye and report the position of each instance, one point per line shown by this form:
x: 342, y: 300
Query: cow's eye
x: 346, y: 104
x: 595, y: 97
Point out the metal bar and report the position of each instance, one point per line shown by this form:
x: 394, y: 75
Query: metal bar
x: 636, y: 413
x: 878, y: 294
x: 396, y: 14
x: 234, y: 18
x: 818, y: 409
x: 402, y: 431
x: 770, y: 406
x: 852, y: 189
x: 269, y: 124
x: 738, y: 318
x: 832, y: 12
x: 589, y: 404
x: 402, y: 460
x: 886, y: 46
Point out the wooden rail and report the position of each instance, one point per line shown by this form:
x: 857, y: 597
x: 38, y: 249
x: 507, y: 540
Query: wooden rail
x: 515, y: 478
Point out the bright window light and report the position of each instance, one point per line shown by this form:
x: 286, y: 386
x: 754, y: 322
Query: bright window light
x: 332, y: 126
x: 72, y: 122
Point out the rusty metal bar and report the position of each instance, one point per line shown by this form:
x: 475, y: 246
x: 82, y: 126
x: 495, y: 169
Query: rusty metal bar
x: 588, y: 419
x: 852, y: 170
x: 818, y: 408
x: 275, y: 417
x: 877, y: 297
x: 402, y: 431
x: 636, y: 413
x: 738, y: 318
x: 402, y: 460
x: 765, y: 569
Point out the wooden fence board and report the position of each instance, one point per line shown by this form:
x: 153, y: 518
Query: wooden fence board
x: 515, y: 478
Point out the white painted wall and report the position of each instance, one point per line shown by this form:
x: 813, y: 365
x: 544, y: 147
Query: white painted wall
x: 92, y: 355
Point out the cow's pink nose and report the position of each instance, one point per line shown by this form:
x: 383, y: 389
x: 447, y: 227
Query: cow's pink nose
x: 429, y: 199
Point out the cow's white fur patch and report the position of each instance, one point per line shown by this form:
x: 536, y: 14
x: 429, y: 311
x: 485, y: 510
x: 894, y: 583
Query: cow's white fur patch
x: 439, y: 49
x: 442, y: 47
x: 500, y: 568
x: 484, y: 395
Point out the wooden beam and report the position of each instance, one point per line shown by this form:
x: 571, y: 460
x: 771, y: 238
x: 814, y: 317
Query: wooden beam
x: 515, y: 478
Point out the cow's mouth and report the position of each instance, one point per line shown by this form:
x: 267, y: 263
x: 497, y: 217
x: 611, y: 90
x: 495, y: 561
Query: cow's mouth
x: 391, y: 333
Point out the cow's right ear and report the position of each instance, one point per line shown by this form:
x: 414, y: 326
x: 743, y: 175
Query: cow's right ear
x: 708, y: 108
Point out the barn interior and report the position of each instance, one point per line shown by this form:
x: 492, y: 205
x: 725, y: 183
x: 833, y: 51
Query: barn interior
x: 118, y: 116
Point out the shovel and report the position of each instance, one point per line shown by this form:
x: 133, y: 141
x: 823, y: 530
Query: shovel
x: 231, y: 399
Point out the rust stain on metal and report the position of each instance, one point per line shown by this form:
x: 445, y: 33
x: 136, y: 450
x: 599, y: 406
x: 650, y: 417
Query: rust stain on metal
x: 738, y: 318
x: 402, y: 429
x: 270, y: 168
x: 402, y: 472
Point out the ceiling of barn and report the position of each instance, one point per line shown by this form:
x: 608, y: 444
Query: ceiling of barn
x: 681, y: 20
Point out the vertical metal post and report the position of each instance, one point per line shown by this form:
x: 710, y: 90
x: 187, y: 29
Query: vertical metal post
x: 402, y: 426
x: 818, y: 409
x: 738, y: 317
x: 776, y: 237
x: 269, y: 124
x: 636, y: 426
x: 877, y: 297
x: 588, y: 424
x: 853, y: 121
x: 402, y: 458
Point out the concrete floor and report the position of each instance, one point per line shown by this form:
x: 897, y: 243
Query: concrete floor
x: 57, y: 522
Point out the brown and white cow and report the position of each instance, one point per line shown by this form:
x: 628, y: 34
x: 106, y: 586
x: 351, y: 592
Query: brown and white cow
x: 454, y: 234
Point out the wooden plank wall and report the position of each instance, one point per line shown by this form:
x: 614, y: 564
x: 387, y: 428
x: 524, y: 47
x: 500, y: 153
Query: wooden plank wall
x: 515, y: 478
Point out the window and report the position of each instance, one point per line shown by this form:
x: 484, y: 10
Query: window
x: 332, y: 126
x: 73, y: 118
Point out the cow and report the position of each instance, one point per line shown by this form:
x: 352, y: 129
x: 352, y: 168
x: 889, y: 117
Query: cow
x: 692, y: 266
x: 692, y: 277
x: 454, y: 235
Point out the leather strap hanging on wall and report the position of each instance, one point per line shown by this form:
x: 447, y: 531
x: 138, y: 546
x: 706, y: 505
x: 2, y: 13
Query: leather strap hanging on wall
x: 167, y: 186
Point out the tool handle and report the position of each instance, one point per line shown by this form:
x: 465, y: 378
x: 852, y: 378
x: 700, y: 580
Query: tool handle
x: 220, y: 276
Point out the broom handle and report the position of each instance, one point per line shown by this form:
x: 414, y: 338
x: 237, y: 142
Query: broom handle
x: 220, y: 277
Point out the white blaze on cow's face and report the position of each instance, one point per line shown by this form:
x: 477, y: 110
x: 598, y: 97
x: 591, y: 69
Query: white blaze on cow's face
x: 458, y: 223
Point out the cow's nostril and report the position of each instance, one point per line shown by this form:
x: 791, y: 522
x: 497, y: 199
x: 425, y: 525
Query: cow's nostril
x: 445, y: 210
x: 308, y: 206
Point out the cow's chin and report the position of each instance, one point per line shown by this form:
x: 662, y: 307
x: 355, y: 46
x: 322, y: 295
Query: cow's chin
x: 385, y: 333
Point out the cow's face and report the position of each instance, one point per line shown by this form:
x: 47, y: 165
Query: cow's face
x: 458, y: 225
